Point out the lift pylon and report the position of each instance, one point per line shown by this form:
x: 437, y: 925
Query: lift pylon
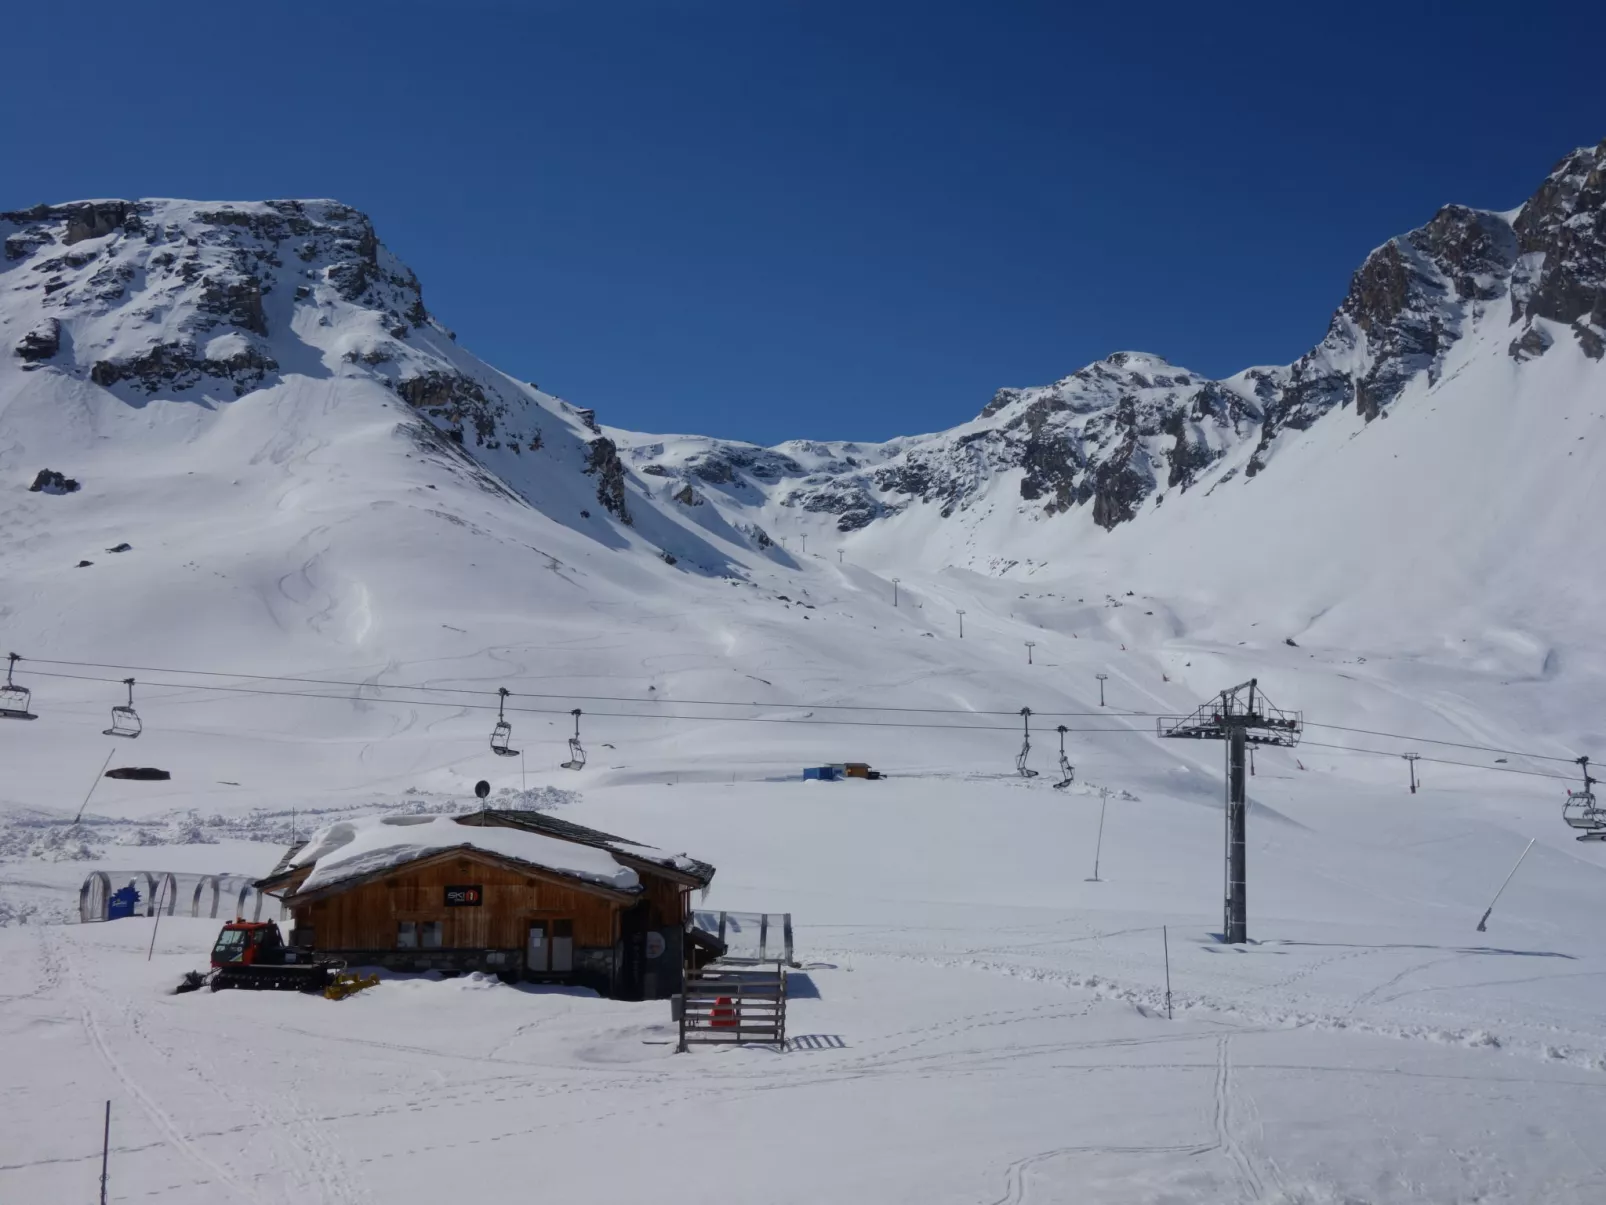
x: 1241, y: 717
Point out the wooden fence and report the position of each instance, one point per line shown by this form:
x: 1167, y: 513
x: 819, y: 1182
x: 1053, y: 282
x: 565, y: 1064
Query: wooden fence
x: 725, y: 1006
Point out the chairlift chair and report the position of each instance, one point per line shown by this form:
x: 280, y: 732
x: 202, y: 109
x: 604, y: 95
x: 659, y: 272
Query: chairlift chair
x: 577, y: 753
x: 125, y: 720
x: 1581, y: 810
x: 503, y: 732
x: 1021, y: 767
x: 1067, y: 771
x: 14, y: 699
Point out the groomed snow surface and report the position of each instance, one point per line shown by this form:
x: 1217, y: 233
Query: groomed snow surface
x: 976, y: 1020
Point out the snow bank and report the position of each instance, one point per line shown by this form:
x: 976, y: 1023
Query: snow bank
x: 349, y: 848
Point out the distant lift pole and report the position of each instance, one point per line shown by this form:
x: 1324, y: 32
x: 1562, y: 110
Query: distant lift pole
x: 1412, y: 759
x: 1241, y: 717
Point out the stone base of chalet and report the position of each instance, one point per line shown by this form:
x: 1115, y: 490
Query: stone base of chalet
x: 604, y: 971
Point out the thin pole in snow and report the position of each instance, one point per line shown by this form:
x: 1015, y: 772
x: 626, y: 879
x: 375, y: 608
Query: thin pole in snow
x: 1104, y: 799
x: 895, y: 582
x: 94, y: 784
x: 1482, y: 923
x: 105, y: 1151
x: 158, y: 923
x: 838, y: 556
x: 1166, y: 938
x: 961, y: 623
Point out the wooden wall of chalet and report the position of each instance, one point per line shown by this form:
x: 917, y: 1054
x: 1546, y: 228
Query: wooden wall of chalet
x: 365, y: 917
x: 666, y: 900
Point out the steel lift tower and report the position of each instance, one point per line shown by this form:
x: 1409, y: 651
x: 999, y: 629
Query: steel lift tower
x: 1241, y: 717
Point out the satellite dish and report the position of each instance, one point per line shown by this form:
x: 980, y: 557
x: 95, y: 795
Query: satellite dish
x: 482, y: 788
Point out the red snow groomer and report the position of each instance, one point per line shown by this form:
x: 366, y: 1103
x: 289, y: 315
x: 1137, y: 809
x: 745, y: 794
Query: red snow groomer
x: 251, y: 954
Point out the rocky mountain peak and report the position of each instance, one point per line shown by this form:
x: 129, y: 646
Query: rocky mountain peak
x: 1561, y: 237
x: 104, y: 272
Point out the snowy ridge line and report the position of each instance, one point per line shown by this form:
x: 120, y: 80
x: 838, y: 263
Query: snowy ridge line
x: 956, y: 711
x: 1151, y: 1003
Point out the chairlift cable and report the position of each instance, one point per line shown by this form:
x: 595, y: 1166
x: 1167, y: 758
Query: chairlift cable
x: 379, y: 687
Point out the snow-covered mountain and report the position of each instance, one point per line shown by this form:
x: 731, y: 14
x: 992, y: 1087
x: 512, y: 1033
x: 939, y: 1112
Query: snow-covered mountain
x: 211, y: 302
x: 255, y: 397
x: 1132, y: 428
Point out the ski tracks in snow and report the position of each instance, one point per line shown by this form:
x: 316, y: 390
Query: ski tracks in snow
x: 158, y: 1116
x: 1017, y: 1188
x: 316, y: 1167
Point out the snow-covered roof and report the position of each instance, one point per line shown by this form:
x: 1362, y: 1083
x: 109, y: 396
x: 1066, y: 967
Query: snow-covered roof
x: 566, y: 830
x: 350, y: 849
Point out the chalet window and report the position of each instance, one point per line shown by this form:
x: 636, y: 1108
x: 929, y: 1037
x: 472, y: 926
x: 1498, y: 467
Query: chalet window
x: 413, y: 935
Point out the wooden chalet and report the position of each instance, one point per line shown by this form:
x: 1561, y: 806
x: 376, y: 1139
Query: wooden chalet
x: 500, y: 904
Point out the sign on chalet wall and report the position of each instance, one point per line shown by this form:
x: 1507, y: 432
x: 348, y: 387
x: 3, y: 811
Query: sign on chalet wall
x: 465, y: 896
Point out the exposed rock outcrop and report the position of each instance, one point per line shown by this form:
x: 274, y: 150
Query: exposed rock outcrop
x: 41, y: 343
x: 179, y: 366
x: 603, y: 462
x: 49, y: 481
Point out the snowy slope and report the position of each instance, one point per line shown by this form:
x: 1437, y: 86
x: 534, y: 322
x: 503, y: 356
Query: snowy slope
x: 317, y: 483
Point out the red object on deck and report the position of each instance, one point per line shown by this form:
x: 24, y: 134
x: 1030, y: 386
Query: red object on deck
x: 723, y: 1015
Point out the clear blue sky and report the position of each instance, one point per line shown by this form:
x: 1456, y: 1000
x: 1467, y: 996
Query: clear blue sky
x: 834, y: 220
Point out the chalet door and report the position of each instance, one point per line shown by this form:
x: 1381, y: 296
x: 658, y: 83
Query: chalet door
x: 633, y: 939
x: 537, y: 951
x: 562, y: 946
